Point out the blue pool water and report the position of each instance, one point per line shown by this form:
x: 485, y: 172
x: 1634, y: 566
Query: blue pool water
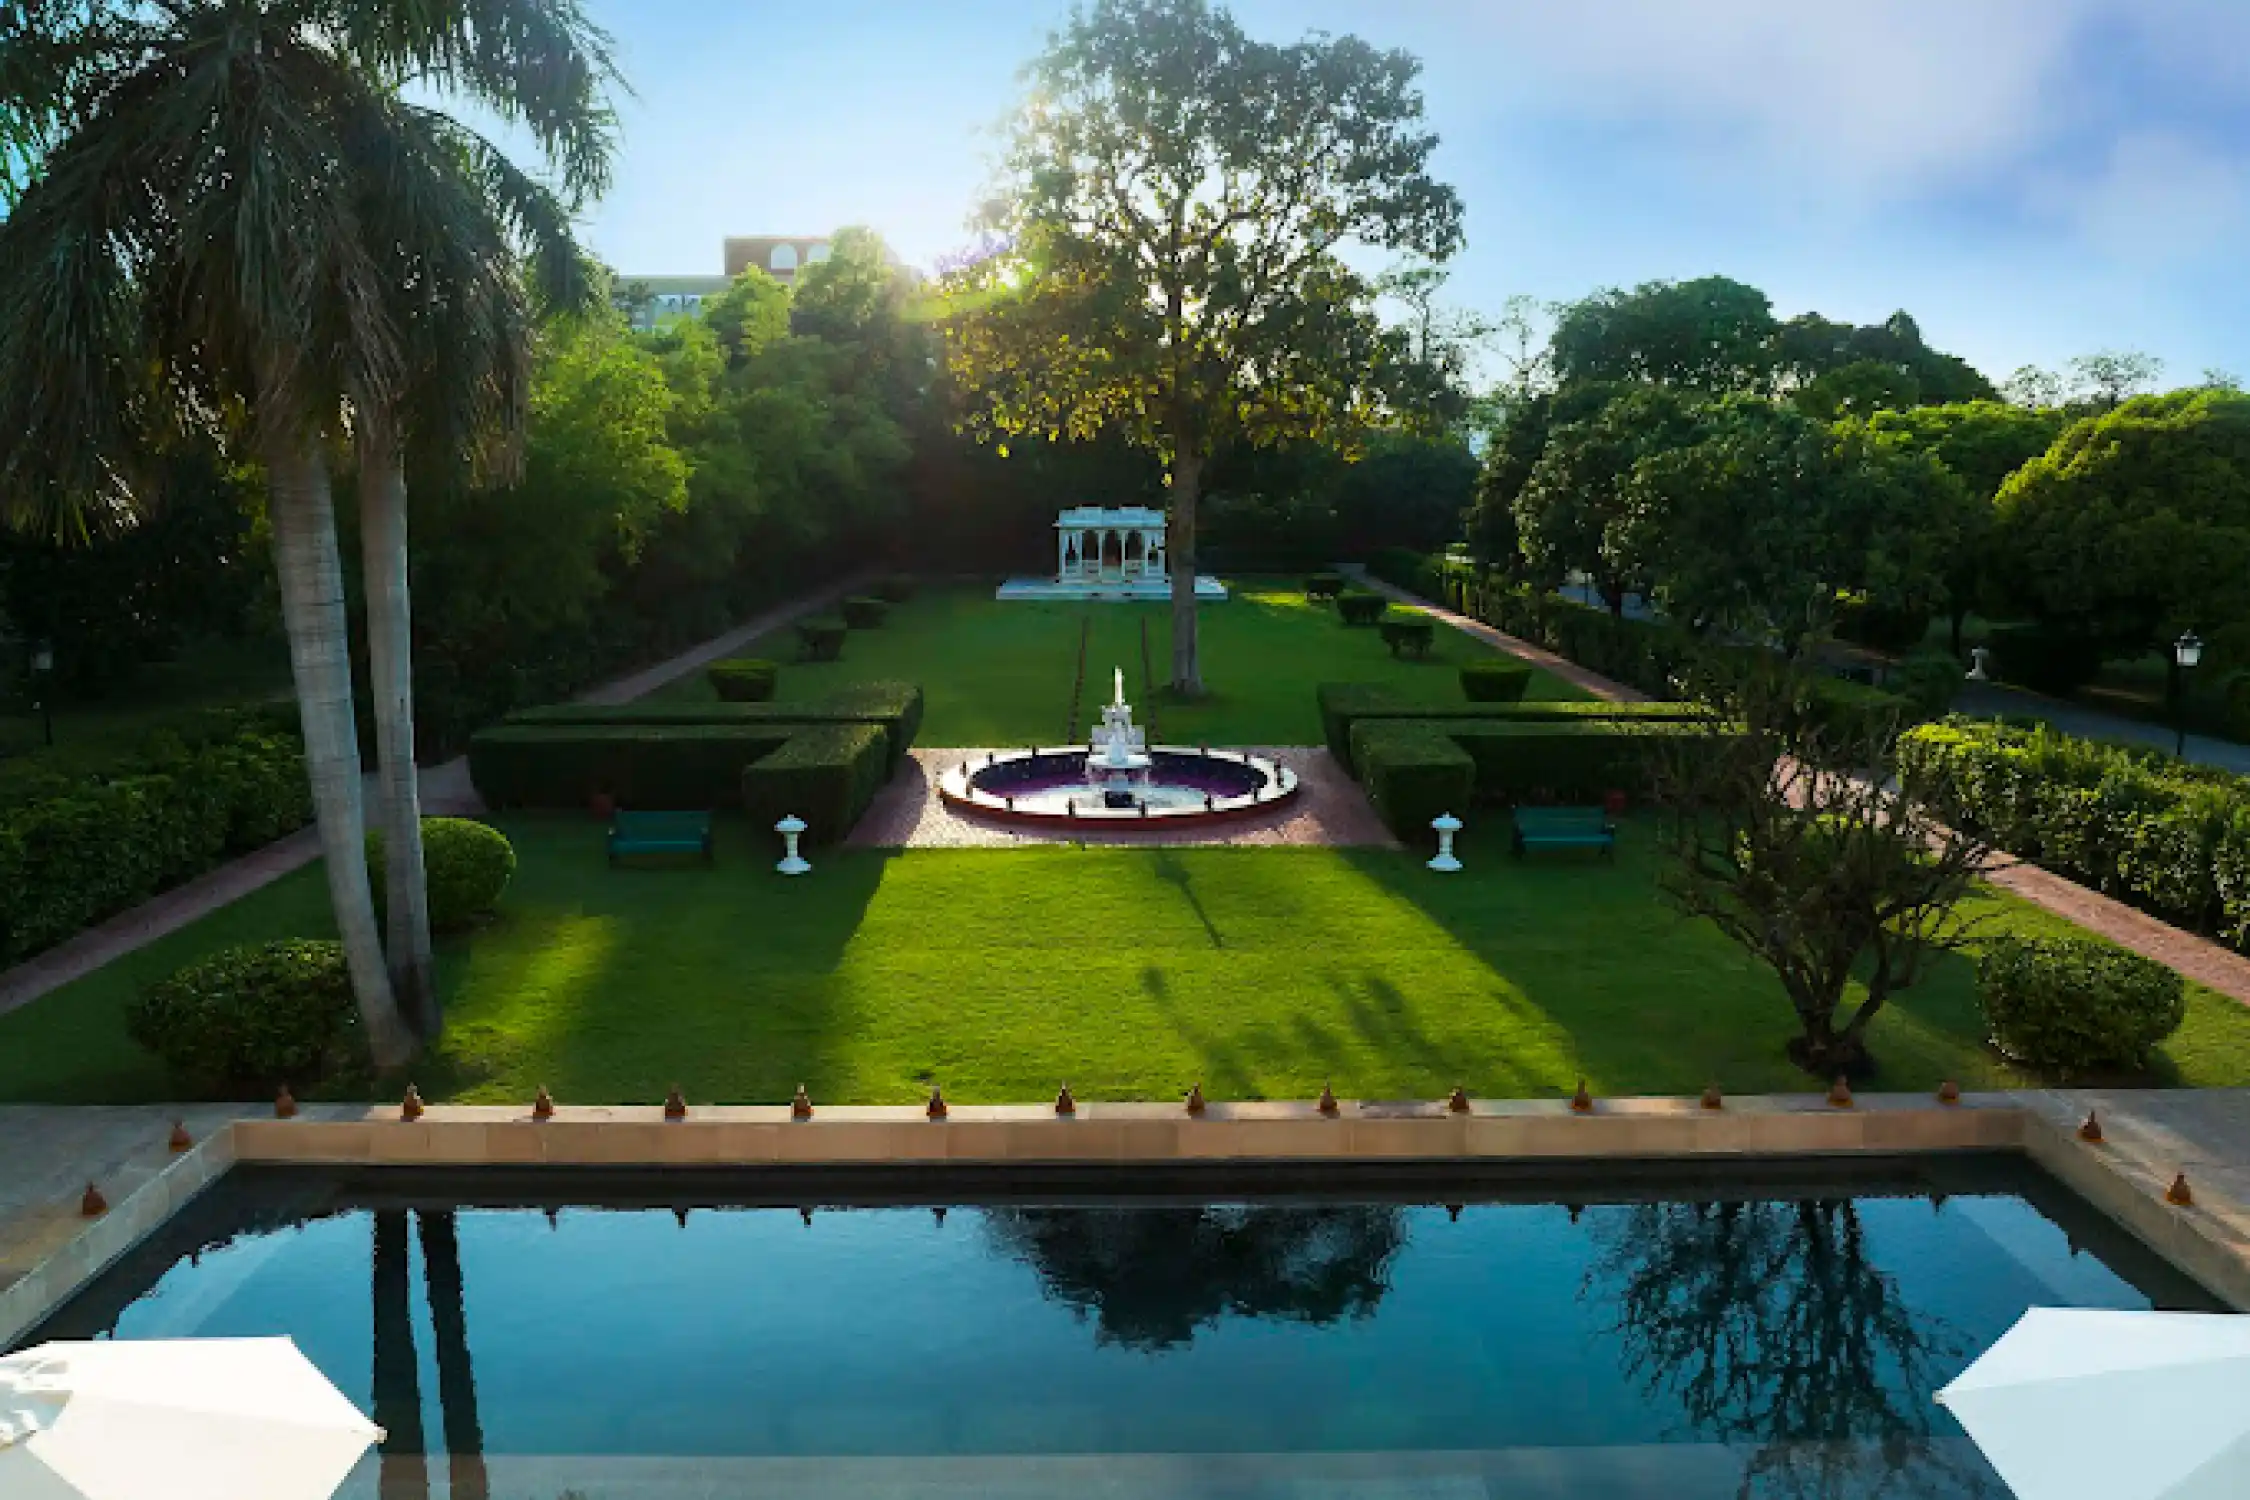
x: 1655, y: 1333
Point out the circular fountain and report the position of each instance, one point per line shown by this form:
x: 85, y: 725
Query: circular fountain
x: 1118, y: 780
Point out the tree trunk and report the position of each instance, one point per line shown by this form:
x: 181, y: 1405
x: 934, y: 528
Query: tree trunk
x: 312, y: 608
x: 456, y: 1372
x: 1187, y: 659
x: 403, y: 1470
x: 390, y: 653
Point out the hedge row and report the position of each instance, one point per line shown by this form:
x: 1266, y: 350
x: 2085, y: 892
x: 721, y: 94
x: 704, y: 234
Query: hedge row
x: 743, y: 679
x: 826, y: 775
x: 1413, y: 771
x: 1345, y: 704
x: 897, y: 706
x: 2171, y: 839
x: 81, y: 849
x: 648, y: 766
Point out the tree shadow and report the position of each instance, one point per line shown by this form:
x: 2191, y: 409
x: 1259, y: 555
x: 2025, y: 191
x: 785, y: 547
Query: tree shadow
x: 1232, y: 1074
x: 1172, y: 871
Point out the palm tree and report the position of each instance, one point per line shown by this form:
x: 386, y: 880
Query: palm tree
x: 201, y: 244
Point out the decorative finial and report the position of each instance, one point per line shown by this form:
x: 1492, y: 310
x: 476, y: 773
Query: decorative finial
x: 675, y: 1104
x: 1713, y: 1099
x: 1582, y: 1102
x: 411, y: 1107
x: 805, y: 1214
x: 1458, y: 1102
x: 1328, y: 1105
x: 936, y: 1107
x: 2091, y: 1131
x: 543, y: 1105
x: 937, y: 1214
x: 1195, y: 1105
x: 1949, y: 1092
x: 93, y: 1205
x: 680, y: 1213
x: 800, y: 1108
x: 1064, y: 1104
x: 180, y: 1140
x: 2177, y: 1194
x: 1453, y: 1212
x: 1840, y: 1092
x: 285, y: 1104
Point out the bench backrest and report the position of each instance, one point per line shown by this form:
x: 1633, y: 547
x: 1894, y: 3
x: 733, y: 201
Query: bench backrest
x: 1561, y: 819
x: 659, y: 825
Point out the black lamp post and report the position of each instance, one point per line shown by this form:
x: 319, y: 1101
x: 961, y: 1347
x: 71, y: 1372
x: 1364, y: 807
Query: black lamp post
x: 2187, y: 653
x: 43, y: 683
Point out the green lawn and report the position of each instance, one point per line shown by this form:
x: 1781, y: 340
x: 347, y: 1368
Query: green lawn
x: 1126, y: 972
x: 1000, y: 674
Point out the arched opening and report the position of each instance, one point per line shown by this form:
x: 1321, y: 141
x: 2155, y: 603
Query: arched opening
x: 784, y: 258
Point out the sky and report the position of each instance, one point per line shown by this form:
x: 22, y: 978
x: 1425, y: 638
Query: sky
x: 2031, y: 179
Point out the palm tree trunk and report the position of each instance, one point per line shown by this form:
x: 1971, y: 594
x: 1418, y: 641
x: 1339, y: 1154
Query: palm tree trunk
x: 303, y: 517
x: 403, y: 1471
x: 456, y: 1370
x: 1187, y: 660
x: 390, y: 654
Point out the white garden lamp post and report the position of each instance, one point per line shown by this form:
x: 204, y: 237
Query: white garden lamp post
x: 1446, y: 825
x: 1980, y: 658
x: 791, y: 829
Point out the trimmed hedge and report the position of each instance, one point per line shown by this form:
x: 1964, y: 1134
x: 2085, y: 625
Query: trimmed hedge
x: 743, y: 679
x: 863, y: 612
x: 826, y: 775
x: 897, y: 706
x: 2073, y: 1004
x: 1345, y: 704
x: 1322, y: 588
x: 1356, y: 608
x: 1407, y: 634
x: 1414, y: 771
x: 75, y: 850
x: 466, y: 866
x: 684, y: 767
x: 894, y: 588
x: 821, y: 639
x: 1494, y: 680
x: 1405, y: 764
x: 247, y: 1020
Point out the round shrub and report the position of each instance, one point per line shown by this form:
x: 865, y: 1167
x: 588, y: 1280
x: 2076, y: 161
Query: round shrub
x: 896, y: 588
x: 465, y: 864
x: 864, y: 613
x: 249, y: 1019
x: 1406, y: 633
x: 1356, y: 607
x: 1928, y: 680
x: 1494, y: 681
x: 742, y: 679
x: 822, y: 638
x: 1322, y: 588
x: 2071, y: 1004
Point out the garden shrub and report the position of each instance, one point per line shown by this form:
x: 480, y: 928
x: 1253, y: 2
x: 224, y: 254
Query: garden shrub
x: 685, y: 767
x: 2074, y: 1004
x: 865, y: 613
x: 1493, y: 680
x: 821, y: 638
x: 2230, y: 878
x: 1407, y: 634
x: 466, y: 867
x: 2043, y: 659
x: 1344, y: 704
x: 894, y: 588
x: 743, y: 679
x: 1850, y: 713
x: 1413, y: 772
x: 1929, y: 681
x: 1322, y: 588
x: 897, y: 706
x: 1573, y: 761
x: 249, y: 1019
x: 826, y: 775
x: 1404, y: 568
x: 1356, y: 607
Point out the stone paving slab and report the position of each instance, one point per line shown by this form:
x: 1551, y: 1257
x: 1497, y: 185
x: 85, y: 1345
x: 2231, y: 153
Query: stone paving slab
x: 1329, y: 808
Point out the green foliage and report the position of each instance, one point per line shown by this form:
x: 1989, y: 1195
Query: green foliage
x: 1407, y: 633
x: 1712, y: 334
x: 1838, y: 370
x: 1344, y: 705
x: 822, y: 638
x: 748, y: 316
x: 1929, y: 680
x: 247, y: 1020
x: 1570, y: 509
x: 825, y: 775
x: 1413, y: 772
x: 1322, y: 588
x: 656, y: 767
x: 743, y: 679
x: 1357, y: 607
x: 1494, y: 681
x: 467, y: 866
x: 861, y: 613
x: 897, y: 706
x: 1575, y: 760
x: 2044, y: 658
x: 2074, y: 1004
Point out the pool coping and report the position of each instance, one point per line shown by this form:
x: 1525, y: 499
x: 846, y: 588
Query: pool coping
x: 2125, y: 1175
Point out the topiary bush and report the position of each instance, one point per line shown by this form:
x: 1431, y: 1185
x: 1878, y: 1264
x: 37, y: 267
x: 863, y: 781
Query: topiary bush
x: 466, y: 866
x: 827, y: 775
x: 1407, y: 634
x: 895, y: 588
x: 743, y: 679
x: 863, y: 612
x: 821, y: 638
x: 1494, y: 681
x: 1322, y: 588
x: 1359, y: 608
x: 2074, y: 1004
x: 1929, y: 680
x: 247, y: 1020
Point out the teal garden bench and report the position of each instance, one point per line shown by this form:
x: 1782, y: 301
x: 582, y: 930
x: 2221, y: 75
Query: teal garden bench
x: 659, y: 833
x: 1564, y: 828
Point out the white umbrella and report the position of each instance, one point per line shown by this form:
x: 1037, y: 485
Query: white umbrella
x: 189, y: 1419
x: 2075, y: 1404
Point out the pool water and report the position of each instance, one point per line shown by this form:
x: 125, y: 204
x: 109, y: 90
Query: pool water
x: 1777, y: 1333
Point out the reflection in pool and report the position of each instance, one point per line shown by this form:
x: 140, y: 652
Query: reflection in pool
x: 705, y: 1335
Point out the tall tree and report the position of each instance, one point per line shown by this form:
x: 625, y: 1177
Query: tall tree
x: 1711, y: 333
x: 1569, y: 509
x: 1169, y: 238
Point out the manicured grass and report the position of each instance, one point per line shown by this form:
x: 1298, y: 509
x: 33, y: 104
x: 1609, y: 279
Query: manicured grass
x: 91, y: 734
x: 1126, y: 972
x: 1000, y: 674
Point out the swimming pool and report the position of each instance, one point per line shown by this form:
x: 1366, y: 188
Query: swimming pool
x: 1393, y: 1332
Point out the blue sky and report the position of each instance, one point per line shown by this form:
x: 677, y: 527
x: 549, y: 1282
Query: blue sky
x: 2032, y: 179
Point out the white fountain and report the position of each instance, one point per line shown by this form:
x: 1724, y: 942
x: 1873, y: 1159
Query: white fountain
x: 1120, y: 758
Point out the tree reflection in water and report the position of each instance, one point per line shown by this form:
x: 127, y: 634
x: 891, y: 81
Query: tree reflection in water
x: 1150, y: 1277
x: 403, y: 1468
x: 1770, y: 1326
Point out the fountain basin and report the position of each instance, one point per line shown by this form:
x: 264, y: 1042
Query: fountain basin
x: 1062, y: 786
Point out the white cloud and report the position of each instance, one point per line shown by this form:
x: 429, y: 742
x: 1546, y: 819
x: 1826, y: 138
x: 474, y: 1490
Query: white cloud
x: 2158, y: 199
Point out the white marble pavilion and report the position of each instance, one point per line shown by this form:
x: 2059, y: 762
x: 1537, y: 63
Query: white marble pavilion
x: 1108, y: 554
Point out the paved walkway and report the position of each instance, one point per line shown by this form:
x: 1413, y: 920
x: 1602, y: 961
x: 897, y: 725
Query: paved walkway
x: 446, y: 789
x: 1993, y: 700
x: 1539, y: 656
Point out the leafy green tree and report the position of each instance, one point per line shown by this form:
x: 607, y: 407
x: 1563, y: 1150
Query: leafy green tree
x: 1569, y: 509
x: 2135, y: 525
x: 2108, y: 378
x: 1846, y: 370
x: 750, y: 314
x: 1711, y: 333
x: 1407, y: 489
x: 1516, y: 443
x: 1168, y: 252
